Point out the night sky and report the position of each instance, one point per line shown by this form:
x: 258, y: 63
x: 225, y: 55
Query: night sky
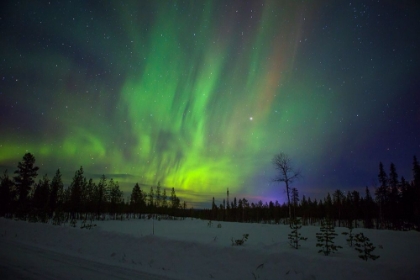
x: 200, y: 95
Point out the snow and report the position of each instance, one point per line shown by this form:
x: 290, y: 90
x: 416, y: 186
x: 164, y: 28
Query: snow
x: 190, y: 249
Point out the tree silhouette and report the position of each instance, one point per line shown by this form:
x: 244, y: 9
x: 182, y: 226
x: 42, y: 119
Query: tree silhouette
x: 416, y: 190
x: 286, y: 174
x: 151, y: 198
x: 24, y: 179
x: 338, y: 200
x: 115, y: 197
x: 101, y: 195
x: 393, y: 207
x: 382, y: 192
x: 158, y: 196
x: 40, y: 199
x: 6, y: 194
x: 76, y: 191
x: 164, y: 200
x: 56, y: 193
x: 175, y: 203
x: 295, y: 200
x: 137, y: 202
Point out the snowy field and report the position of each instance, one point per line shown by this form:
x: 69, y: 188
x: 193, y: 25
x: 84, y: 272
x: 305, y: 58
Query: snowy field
x: 190, y: 249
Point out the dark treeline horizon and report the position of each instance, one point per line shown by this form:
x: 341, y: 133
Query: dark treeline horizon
x: 395, y: 204
x: 23, y: 198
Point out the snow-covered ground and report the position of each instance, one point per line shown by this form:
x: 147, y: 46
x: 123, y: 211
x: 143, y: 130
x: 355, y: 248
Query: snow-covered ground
x: 190, y: 249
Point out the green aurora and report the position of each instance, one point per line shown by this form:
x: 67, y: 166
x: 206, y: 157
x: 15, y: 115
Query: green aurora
x: 199, y: 95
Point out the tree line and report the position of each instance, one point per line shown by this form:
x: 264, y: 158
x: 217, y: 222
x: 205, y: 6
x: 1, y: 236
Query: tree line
x: 24, y: 198
x: 395, y: 204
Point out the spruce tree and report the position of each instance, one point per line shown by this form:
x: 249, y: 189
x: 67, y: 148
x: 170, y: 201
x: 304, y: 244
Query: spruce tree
x: 382, y: 193
x: 416, y: 190
x: 24, y: 179
x: 295, y: 201
x: 350, y: 239
x: 164, y: 200
x: 158, y: 201
x: 294, y: 236
x: 88, y: 203
x: 151, y: 198
x: 101, y: 195
x: 213, y: 210
x: 368, y: 208
x: 355, y: 208
x: 115, y: 197
x: 175, y: 202
x: 338, y: 200
x: 394, y: 209
x: 364, y: 247
x: 56, y: 194
x: 328, y: 205
x: 40, y: 199
x: 6, y: 194
x: 136, y: 200
x: 76, y: 191
x: 326, y: 238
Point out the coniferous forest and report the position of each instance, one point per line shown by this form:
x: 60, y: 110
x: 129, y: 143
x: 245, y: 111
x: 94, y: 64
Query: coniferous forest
x: 47, y: 199
x: 394, y: 204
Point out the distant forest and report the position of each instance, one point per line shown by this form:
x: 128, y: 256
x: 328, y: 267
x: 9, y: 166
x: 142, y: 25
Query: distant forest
x: 21, y: 197
x: 395, y: 204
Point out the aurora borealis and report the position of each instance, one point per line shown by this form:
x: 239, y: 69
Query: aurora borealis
x: 200, y: 95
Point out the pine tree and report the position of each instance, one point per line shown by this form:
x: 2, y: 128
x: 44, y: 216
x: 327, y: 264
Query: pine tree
x: 213, y: 210
x: 24, y: 179
x: 364, y: 247
x: 338, y: 199
x: 350, y: 234
x: 88, y: 203
x: 6, y: 194
x: 137, y: 200
x: 174, y: 200
x: 408, y: 199
x: 368, y: 208
x: 328, y: 206
x: 40, y: 199
x: 355, y: 208
x: 158, y: 196
x: 382, y: 193
x: 151, y: 198
x: 164, y: 200
x: 294, y: 236
x: 101, y: 195
x: 416, y: 190
x: 326, y: 238
x: 394, y: 211
x: 115, y: 197
x: 304, y: 205
x: 76, y: 191
x: 56, y: 192
x: 295, y: 201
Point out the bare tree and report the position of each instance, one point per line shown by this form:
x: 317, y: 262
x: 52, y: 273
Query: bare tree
x: 287, y: 174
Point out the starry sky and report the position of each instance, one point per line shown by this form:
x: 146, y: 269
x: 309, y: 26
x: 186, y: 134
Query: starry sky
x: 200, y: 95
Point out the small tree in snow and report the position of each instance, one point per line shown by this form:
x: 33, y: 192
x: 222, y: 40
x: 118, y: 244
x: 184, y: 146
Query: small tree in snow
x: 364, y: 247
x: 350, y: 235
x: 326, y: 238
x: 295, y: 236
